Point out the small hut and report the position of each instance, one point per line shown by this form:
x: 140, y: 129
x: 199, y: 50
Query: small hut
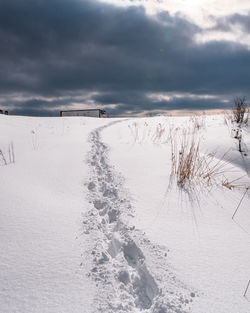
x: 4, y: 112
x: 89, y: 113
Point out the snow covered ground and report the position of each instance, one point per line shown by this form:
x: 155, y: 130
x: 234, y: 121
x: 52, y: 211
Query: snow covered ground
x: 90, y: 220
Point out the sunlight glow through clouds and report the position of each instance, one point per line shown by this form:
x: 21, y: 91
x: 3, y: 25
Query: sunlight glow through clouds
x: 167, y: 96
x: 200, y: 12
x: 235, y: 35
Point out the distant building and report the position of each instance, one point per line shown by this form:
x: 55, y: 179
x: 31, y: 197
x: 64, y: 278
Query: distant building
x: 89, y: 113
x: 4, y: 112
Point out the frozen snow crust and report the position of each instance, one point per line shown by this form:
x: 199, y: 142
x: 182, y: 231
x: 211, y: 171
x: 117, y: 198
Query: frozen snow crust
x: 91, y: 221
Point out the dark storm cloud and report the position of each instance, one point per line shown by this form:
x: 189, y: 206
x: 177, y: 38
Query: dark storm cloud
x: 141, y: 103
x: 72, y: 45
x: 60, y: 47
x: 33, y: 111
x: 38, y: 107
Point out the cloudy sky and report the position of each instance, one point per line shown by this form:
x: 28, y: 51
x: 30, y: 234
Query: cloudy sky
x: 125, y: 56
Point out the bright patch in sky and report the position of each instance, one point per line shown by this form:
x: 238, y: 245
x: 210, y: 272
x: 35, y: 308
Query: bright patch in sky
x: 198, y: 9
x: 200, y: 12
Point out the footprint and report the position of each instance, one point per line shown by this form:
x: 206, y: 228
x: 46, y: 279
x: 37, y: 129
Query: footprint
x: 132, y: 254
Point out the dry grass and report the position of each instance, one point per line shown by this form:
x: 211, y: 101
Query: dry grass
x: 142, y: 133
x: 198, y: 122
x: 228, y: 119
x: 11, y: 155
x: 159, y: 133
x: 233, y: 184
x: 134, y: 131
x: 3, y: 158
x: 189, y: 166
x: 185, y: 159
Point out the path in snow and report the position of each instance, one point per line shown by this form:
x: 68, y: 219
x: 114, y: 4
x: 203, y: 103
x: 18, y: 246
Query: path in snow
x: 131, y: 274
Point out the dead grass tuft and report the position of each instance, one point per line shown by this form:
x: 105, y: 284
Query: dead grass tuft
x: 189, y: 166
x: 11, y: 155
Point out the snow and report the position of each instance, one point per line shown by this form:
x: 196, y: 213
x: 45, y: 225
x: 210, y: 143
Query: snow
x: 91, y: 222
x: 42, y: 198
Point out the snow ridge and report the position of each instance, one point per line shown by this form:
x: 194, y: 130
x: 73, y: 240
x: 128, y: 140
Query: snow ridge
x: 118, y: 253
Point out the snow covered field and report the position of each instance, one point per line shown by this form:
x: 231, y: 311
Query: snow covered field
x: 91, y: 220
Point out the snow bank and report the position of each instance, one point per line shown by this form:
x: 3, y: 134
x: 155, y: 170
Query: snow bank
x: 42, y: 199
x: 93, y: 223
x: 208, y: 250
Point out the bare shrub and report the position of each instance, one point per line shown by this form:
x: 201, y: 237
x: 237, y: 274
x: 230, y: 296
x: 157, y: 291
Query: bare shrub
x: 246, y: 116
x: 240, y: 110
x: 240, y: 116
x: 238, y: 136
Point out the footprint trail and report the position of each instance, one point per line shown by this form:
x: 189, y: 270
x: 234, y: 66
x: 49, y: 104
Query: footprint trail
x: 131, y: 274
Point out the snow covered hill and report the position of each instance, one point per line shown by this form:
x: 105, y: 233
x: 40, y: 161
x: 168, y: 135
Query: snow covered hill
x: 91, y: 219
